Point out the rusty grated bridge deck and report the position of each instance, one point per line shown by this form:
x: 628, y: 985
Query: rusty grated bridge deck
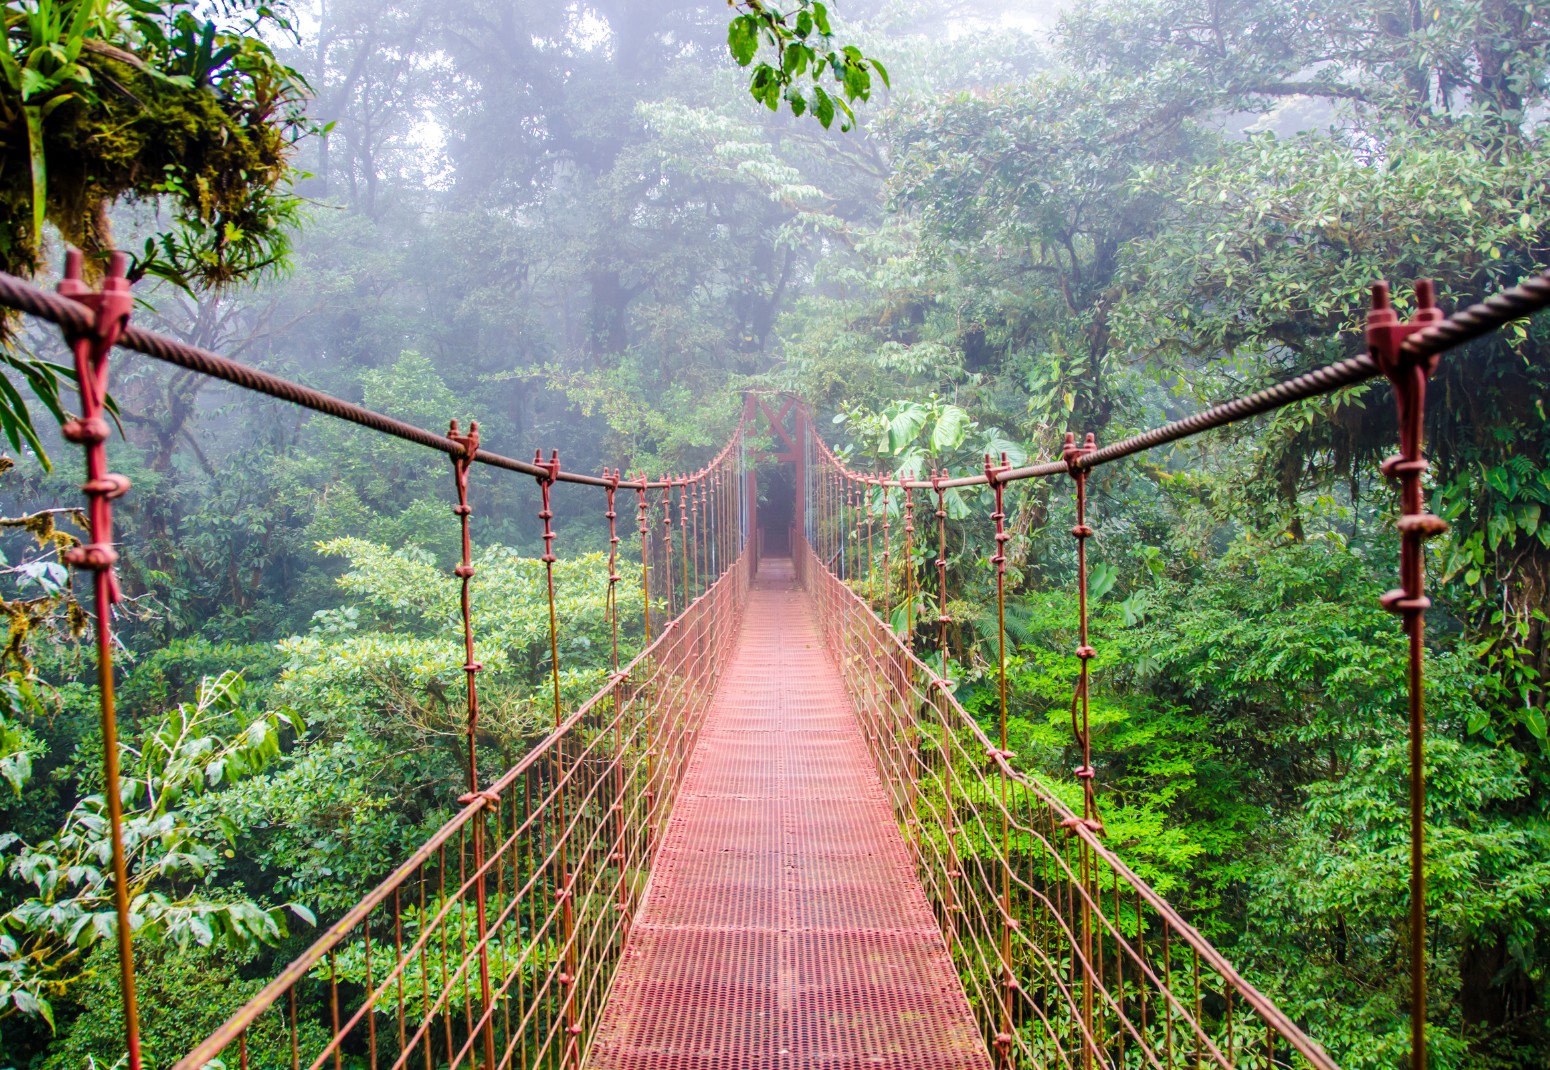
x: 784, y: 926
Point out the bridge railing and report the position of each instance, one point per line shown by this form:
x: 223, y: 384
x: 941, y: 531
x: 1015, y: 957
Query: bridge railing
x: 1068, y: 958
x: 495, y: 943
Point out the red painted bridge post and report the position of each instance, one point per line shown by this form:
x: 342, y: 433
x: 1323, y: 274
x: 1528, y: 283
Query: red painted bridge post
x: 1006, y: 1038
x: 90, y: 431
x: 1072, y: 454
x: 469, y: 447
x: 1408, y: 374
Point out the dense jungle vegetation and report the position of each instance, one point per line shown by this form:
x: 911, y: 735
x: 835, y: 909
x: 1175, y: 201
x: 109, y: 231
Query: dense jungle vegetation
x: 572, y: 221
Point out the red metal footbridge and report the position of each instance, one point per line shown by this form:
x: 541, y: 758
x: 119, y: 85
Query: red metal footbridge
x: 775, y: 837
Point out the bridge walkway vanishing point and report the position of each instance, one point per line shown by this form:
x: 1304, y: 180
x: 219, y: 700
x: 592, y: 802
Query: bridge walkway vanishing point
x: 784, y: 924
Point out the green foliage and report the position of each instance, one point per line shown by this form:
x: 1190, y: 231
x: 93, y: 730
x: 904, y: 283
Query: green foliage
x: 803, y: 44
x: 41, y: 612
x: 18, y: 745
x: 44, y: 379
x: 516, y: 964
x: 1338, y: 899
x: 1172, y: 799
x: 184, y: 994
x: 173, y: 847
x: 398, y: 646
x: 383, y: 683
x: 916, y: 437
x: 146, y: 100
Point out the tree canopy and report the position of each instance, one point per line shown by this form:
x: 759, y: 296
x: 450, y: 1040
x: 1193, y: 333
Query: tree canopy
x: 593, y: 226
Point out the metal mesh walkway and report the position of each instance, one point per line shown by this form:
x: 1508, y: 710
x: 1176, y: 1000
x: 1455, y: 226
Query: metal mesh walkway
x: 784, y: 926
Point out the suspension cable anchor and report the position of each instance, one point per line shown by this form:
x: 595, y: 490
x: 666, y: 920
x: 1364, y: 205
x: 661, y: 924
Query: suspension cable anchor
x: 1408, y: 373
x: 111, y: 306
x: 110, y: 486
x: 1073, y: 454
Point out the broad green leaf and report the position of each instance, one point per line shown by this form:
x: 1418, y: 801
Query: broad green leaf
x: 1101, y: 578
x: 35, y: 154
x: 743, y: 39
x: 823, y: 106
x: 904, y: 425
x: 951, y: 428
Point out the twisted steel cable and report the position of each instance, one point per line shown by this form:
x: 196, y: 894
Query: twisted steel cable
x: 1464, y: 325
x: 1478, y: 320
x: 74, y: 318
x: 1324, y: 380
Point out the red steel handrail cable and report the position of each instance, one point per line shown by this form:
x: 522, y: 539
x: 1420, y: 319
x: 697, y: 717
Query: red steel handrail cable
x: 1462, y: 326
x: 77, y: 319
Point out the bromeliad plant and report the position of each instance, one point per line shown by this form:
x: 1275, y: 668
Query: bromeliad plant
x: 148, y: 99
x: 103, y: 101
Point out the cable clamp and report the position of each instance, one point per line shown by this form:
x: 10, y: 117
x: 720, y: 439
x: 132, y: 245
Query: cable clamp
x: 1399, y: 601
x: 110, y: 486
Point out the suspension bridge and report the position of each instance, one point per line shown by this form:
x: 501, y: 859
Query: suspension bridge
x: 774, y: 837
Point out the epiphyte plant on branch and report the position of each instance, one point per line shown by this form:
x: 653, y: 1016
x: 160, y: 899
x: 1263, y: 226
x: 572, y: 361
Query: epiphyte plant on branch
x: 157, y: 100
x: 802, y: 40
x: 171, y: 103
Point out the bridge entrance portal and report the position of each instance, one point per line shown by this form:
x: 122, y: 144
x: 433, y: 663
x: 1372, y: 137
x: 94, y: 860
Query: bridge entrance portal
x: 776, y: 473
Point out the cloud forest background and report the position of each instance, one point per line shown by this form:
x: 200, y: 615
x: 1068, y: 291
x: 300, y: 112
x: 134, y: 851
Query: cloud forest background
x: 572, y: 222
